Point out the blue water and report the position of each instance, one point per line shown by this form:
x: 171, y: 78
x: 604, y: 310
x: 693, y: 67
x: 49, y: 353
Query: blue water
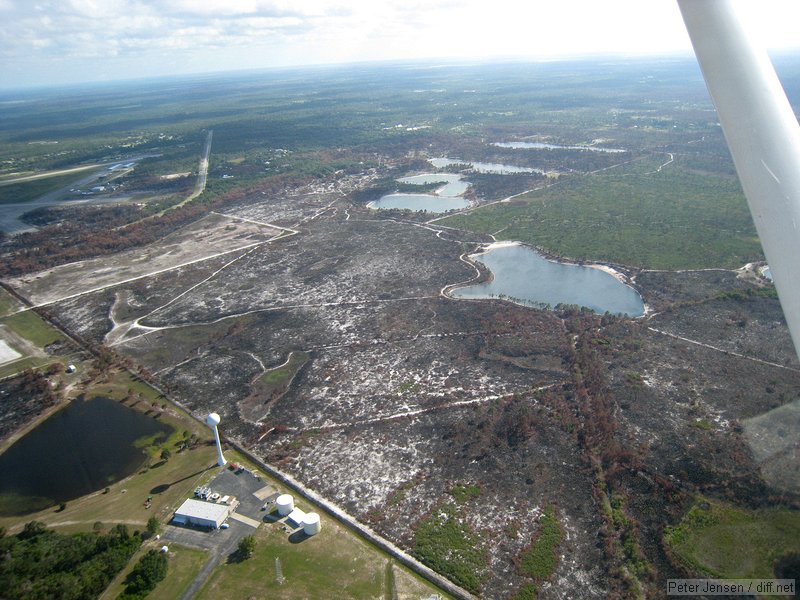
x: 523, y: 275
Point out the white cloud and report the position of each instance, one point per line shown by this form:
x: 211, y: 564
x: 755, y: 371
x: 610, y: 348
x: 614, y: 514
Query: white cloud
x: 83, y: 38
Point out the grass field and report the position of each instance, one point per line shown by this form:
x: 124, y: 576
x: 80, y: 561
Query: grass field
x: 32, y: 327
x: 675, y: 218
x: 184, y: 564
x: 719, y: 540
x: 8, y: 304
x: 334, y: 563
x: 31, y: 190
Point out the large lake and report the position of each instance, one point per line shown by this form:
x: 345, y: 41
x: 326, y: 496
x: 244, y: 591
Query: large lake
x: 81, y: 448
x: 523, y: 275
x: 447, y: 197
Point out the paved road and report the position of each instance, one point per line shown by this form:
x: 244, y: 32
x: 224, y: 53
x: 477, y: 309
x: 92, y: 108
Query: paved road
x: 222, y: 543
x: 202, y: 175
x: 47, y: 174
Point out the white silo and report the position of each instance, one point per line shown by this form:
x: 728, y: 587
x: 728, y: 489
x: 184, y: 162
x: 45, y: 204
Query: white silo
x: 311, y: 524
x: 212, y: 421
x: 285, y: 504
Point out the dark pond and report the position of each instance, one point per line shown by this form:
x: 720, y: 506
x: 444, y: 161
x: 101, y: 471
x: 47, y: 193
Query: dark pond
x: 81, y: 448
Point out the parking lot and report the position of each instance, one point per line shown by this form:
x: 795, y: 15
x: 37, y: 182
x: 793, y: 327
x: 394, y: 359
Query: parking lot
x: 252, y: 493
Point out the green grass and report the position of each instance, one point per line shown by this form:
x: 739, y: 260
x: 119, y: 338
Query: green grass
x: 408, y: 387
x: 720, y: 540
x: 334, y: 563
x: 22, y: 364
x: 28, y: 191
x: 540, y: 560
x: 32, y: 327
x: 8, y: 304
x: 462, y: 493
x: 672, y: 219
x: 526, y: 592
x: 280, y: 376
x: 184, y: 565
x: 447, y: 545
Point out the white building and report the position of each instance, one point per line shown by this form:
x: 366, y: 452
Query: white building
x: 204, y: 514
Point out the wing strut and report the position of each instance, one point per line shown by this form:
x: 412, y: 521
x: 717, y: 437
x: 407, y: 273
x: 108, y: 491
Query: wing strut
x: 763, y: 136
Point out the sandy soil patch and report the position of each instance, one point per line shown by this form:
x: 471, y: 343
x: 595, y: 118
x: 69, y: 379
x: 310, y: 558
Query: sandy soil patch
x: 15, y: 346
x: 209, y: 237
x: 7, y: 353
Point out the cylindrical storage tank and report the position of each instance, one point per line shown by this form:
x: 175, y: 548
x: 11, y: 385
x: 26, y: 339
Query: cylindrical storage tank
x: 311, y: 524
x: 285, y: 504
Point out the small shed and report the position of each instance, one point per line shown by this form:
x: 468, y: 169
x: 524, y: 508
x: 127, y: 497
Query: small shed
x: 204, y: 514
x: 296, y: 517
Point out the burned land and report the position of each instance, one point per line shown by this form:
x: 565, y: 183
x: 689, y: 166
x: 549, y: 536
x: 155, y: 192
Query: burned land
x: 406, y: 395
x: 506, y: 446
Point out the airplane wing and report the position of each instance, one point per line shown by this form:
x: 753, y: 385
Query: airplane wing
x: 762, y: 134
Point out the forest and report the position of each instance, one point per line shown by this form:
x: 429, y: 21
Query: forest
x: 43, y: 564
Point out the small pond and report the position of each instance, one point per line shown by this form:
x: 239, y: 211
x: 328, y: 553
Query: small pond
x: 447, y: 197
x: 453, y: 184
x: 523, y: 275
x: 82, y: 448
x: 426, y: 202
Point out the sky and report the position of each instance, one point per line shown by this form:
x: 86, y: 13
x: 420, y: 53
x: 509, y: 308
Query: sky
x: 54, y: 42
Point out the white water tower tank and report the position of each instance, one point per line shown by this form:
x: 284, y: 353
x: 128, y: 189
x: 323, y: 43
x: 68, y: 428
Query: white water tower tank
x: 212, y: 420
x: 311, y: 524
x: 285, y: 504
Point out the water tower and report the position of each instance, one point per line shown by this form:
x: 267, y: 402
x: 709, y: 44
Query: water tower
x: 212, y: 421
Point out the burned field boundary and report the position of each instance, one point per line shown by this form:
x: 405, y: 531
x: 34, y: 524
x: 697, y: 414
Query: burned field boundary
x: 403, y: 398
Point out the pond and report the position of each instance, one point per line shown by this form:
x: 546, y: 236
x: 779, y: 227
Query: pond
x: 82, y: 448
x: 482, y: 167
x: 543, y: 146
x: 426, y: 202
x: 454, y: 185
x: 523, y: 275
x: 447, y: 197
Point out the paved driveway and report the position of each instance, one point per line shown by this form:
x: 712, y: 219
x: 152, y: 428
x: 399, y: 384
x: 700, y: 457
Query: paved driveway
x: 221, y: 543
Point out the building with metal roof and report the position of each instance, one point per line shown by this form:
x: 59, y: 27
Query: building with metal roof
x: 204, y: 514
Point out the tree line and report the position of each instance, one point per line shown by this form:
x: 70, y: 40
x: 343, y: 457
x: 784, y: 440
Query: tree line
x: 41, y: 564
x: 76, y: 240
